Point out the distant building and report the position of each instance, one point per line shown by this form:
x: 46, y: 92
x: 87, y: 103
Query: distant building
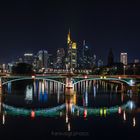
x: 42, y: 59
x: 20, y: 60
x: 60, y: 58
x: 123, y: 58
x: 110, y: 58
x: 10, y: 65
x: 136, y: 61
x: 28, y: 58
x: 86, y: 59
x: 100, y: 63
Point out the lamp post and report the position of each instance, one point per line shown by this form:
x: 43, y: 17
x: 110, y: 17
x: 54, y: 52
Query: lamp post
x: 124, y: 69
x: 134, y: 66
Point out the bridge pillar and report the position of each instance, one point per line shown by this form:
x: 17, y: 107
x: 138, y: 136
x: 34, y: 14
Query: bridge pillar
x: 69, y: 83
x: 116, y: 88
x: 122, y: 88
x: 111, y: 87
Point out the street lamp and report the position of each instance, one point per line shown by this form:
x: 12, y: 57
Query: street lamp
x: 124, y: 69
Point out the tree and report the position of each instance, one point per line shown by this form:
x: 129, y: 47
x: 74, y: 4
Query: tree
x: 23, y: 69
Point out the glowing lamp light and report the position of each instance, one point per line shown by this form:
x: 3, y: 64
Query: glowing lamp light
x: 131, y: 82
x: 33, y: 77
x: 105, y: 112
x: 3, y: 119
x: 68, y: 126
x: 104, y: 77
x: 85, y: 76
x: 78, y: 113
x: 101, y: 111
x: 119, y: 110
x: 101, y: 77
x: 32, y: 114
x: 124, y: 116
x: 85, y: 113
x: 119, y: 77
x: 134, y: 122
x: 60, y: 114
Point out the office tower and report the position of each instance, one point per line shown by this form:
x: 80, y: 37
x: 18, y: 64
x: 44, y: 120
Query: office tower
x: 60, y: 58
x: 136, y: 61
x: 100, y: 63
x: 86, y: 58
x: 28, y: 58
x: 71, y: 58
x: 43, y: 59
x: 123, y: 58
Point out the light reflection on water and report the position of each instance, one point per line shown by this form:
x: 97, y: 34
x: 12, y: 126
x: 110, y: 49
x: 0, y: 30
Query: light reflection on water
x: 84, y: 103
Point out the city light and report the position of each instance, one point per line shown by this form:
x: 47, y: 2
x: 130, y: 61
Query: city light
x: 119, y: 110
x: 85, y: 76
x: 85, y: 113
x: 132, y: 82
x: 3, y: 119
x: 134, y: 121
x: 101, y: 112
x: 33, y: 76
x: 104, y: 111
x: 124, y: 116
x: 104, y: 77
x: 69, y: 127
x: 32, y: 114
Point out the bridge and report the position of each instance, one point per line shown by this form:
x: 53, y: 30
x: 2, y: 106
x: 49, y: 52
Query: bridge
x: 70, y: 81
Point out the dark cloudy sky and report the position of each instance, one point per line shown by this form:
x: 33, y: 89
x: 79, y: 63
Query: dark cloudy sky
x: 28, y: 26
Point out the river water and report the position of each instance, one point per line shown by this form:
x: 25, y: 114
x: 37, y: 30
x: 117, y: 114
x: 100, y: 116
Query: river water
x: 41, y: 109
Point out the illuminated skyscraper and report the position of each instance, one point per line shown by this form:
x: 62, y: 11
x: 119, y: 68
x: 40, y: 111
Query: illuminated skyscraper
x: 123, y: 58
x: 60, y: 58
x: 86, y: 58
x: 71, y: 53
x: 28, y: 58
x: 43, y: 59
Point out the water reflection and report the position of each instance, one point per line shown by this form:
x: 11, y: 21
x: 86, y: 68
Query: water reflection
x: 41, y: 98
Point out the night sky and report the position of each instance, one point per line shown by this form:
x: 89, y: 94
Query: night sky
x: 29, y: 26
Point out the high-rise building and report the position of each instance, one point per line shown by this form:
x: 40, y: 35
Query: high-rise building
x: 86, y: 58
x: 110, y: 58
x: 43, y: 59
x: 136, y: 60
x: 123, y: 58
x: 60, y: 58
x: 71, y: 53
x: 100, y: 63
x: 28, y: 58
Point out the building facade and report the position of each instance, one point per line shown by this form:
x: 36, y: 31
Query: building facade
x: 28, y: 58
x: 71, y: 57
x: 123, y: 58
x: 43, y: 57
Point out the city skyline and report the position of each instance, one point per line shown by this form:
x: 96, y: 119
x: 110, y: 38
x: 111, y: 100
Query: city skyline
x: 29, y: 27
